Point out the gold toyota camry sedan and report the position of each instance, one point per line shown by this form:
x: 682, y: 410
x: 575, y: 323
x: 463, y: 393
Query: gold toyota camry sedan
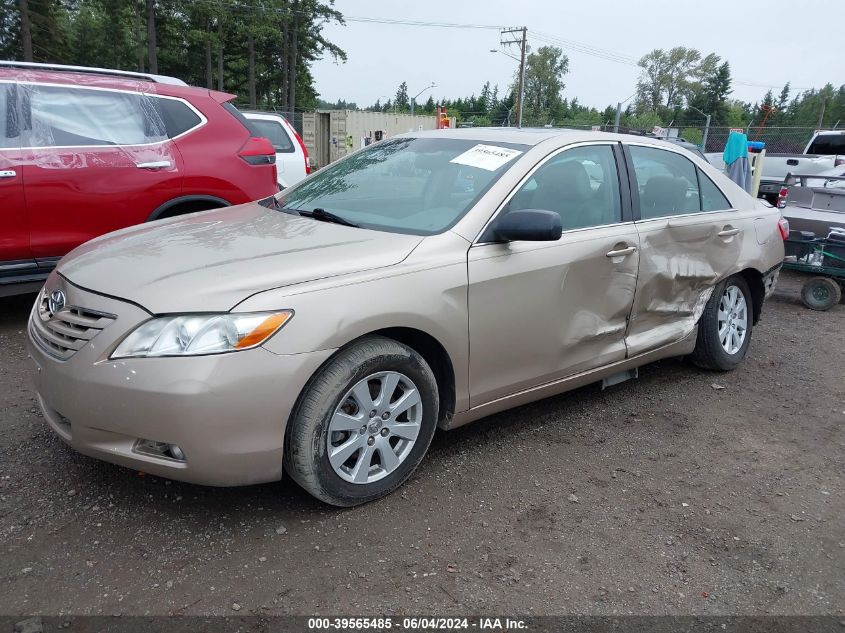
x: 425, y: 281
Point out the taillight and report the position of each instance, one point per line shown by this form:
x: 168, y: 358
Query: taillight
x: 304, y: 152
x: 258, y: 151
x: 782, y: 195
x: 783, y: 226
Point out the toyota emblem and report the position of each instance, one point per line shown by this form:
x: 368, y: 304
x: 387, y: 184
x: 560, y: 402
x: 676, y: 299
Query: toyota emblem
x: 56, y: 302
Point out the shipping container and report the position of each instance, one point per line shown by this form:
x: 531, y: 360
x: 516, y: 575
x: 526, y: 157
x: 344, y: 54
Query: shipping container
x: 331, y: 134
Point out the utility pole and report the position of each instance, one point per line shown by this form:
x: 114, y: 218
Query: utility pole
x: 523, y: 48
x: 821, y: 114
x: 706, y: 126
x: 618, y: 118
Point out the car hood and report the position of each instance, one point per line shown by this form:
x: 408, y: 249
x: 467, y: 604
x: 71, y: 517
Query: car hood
x: 212, y: 261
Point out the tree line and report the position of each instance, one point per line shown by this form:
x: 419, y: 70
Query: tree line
x: 260, y: 50
x: 678, y: 87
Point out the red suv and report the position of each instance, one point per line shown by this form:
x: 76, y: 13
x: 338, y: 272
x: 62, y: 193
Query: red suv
x: 86, y: 151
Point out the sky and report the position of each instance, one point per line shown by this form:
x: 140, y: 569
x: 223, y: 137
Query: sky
x: 767, y: 42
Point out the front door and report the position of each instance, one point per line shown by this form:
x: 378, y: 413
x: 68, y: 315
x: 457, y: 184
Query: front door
x: 95, y: 160
x: 15, y: 255
x: 541, y: 311
x: 690, y: 237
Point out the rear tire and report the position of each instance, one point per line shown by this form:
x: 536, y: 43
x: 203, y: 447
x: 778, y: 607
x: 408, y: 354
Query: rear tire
x: 349, y: 439
x: 724, y: 330
x: 821, y: 293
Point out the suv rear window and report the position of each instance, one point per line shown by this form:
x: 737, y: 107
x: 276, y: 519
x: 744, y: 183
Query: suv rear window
x: 178, y: 117
x: 231, y: 109
x: 274, y: 131
x: 827, y: 145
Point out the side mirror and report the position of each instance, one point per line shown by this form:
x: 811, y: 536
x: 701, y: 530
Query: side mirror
x: 532, y: 225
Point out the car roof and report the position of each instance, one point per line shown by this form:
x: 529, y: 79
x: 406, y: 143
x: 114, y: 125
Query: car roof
x: 164, y: 79
x: 99, y: 78
x: 535, y: 136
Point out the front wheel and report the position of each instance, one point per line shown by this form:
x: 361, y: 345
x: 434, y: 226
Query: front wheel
x: 724, y: 330
x: 363, y: 423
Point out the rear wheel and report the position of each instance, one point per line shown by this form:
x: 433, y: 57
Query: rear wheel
x: 363, y: 423
x: 724, y: 330
x: 821, y: 293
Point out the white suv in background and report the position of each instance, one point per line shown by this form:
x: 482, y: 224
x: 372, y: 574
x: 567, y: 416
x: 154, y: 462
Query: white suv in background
x: 292, y: 161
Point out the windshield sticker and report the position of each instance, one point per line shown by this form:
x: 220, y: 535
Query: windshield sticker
x: 487, y: 157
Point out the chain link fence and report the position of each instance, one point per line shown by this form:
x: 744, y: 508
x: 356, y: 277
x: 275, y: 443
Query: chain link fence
x: 293, y: 117
x: 778, y: 140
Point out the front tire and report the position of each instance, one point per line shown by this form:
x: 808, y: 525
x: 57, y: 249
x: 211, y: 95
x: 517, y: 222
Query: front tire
x: 724, y: 330
x: 363, y: 423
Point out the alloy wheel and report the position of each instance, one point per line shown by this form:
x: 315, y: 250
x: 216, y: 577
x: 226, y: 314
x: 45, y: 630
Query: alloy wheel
x: 374, y: 427
x: 733, y: 319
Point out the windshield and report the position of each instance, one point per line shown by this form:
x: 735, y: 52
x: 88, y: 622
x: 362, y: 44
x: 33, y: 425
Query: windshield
x: 421, y: 186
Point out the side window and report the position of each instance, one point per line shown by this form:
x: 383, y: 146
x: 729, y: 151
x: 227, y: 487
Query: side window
x: 5, y: 116
x: 712, y: 199
x: 178, y: 118
x: 580, y: 184
x: 274, y: 131
x: 9, y: 128
x: 65, y: 116
x: 666, y: 181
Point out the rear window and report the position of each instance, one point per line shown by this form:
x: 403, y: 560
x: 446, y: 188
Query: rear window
x: 274, y: 131
x: 827, y: 144
x: 231, y: 109
x: 177, y: 116
x: 667, y: 183
x: 712, y: 198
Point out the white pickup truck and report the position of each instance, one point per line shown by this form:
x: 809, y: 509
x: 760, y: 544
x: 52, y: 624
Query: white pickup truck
x: 825, y: 151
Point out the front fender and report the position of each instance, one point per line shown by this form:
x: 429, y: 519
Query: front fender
x: 427, y: 292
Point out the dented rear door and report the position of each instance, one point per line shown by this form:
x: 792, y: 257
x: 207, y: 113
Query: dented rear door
x: 690, y: 239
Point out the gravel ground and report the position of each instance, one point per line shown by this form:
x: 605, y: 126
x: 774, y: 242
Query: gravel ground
x: 681, y: 492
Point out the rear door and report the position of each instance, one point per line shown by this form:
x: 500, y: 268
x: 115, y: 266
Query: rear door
x: 95, y: 160
x: 15, y: 255
x: 542, y: 311
x: 689, y: 237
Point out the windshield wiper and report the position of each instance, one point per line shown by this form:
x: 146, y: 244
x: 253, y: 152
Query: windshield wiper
x: 327, y: 216
x: 318, y: 214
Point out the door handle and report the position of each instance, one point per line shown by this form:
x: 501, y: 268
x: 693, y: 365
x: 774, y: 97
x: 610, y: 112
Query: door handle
x: 156, y: 164
x: 622, y: 252
x: 8, y: 173
x: 728, y: 231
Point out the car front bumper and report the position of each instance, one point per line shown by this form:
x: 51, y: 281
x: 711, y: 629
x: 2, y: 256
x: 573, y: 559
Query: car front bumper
x: 227, y: 412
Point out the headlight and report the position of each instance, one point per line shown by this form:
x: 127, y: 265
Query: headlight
x: 195, y: 334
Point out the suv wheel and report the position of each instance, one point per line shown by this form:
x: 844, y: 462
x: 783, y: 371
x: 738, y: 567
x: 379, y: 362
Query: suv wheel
x: 363, y: 423
x: 724, y: 330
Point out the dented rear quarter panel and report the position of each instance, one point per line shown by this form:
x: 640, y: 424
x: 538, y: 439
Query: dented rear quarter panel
x: 683, y: 258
